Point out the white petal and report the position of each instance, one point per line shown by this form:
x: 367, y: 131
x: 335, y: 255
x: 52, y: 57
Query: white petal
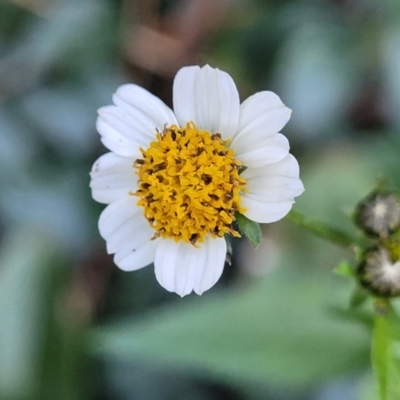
x: 261, y: 115
x: 182, y: 268
x: 136, y: 258
x: 112, y: 177
x: 175, y: 265
x: 272, y: 189
x: 275, y: 188
x: 146, y: 110
x: 211, y: 271
x: 123, y: 225
x: 132, y: 233
x: 127, y: 234
x: 286, y: 167
x: 208, y: 97
x: 117, y: 135
x: 267, y: 151
x: 265, y: 211
x: 133, y: 121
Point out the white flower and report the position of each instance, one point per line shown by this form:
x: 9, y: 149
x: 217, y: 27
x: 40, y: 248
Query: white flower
x: 171, y: 180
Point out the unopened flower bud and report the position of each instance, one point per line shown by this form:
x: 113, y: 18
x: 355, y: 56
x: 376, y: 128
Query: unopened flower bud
x: 379, y: 214
x: 379, y: 273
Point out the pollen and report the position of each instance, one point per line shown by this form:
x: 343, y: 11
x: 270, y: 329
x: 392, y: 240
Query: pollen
x: 189, y: 184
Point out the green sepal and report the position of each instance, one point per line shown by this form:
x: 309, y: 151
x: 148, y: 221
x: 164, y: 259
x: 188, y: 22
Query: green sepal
x: 344, y: 269
x: 249, y: 228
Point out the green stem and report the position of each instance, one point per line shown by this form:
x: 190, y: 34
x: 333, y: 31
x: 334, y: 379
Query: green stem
x: 384, y: 357
x: 320, y: 229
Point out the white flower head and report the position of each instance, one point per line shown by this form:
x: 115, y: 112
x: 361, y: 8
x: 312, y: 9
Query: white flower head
x: 172, y: 180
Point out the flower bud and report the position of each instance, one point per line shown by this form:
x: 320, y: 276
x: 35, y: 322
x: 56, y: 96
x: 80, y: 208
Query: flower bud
x: 379, y: 273
x: 379, y: 214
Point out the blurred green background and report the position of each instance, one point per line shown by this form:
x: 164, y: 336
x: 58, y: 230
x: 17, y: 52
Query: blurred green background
x: 72, y: 326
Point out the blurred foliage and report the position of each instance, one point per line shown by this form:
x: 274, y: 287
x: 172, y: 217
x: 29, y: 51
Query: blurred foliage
x: 236, y: 335
x: 41, y: 357
x: 74, y: 327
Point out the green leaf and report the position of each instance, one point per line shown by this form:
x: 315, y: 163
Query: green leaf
x: 249, y: 228
x: 385, y: 355
x: 344, y: 269
x: 277, y: 330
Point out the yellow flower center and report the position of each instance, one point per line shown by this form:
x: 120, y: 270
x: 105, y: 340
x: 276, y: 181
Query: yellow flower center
x: 189, y: 184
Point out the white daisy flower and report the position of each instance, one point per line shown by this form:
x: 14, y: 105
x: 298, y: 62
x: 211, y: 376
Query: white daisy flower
x: 171, y: 180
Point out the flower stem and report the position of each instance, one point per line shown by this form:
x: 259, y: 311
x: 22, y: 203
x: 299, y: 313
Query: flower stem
x: 385, y: 342
x: 321, y: 229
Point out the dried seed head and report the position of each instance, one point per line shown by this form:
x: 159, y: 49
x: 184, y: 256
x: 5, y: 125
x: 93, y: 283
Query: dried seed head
x: 379, y: 214
x: 379, y: 273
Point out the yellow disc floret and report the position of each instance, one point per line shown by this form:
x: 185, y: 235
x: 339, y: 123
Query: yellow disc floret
x: 189, y: 184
